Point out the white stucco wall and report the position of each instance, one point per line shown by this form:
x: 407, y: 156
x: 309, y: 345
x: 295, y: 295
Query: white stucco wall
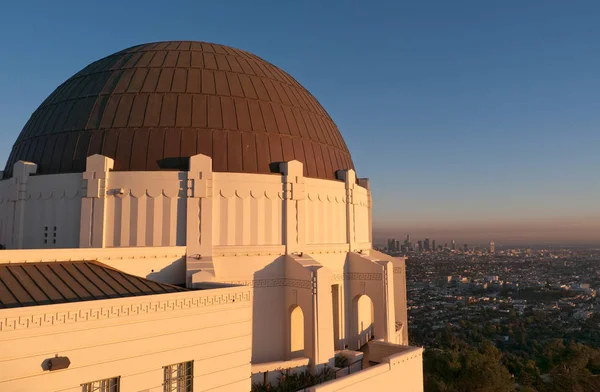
x: 402, y: 372
x: 7, y: 212
x: 247, y: 209
x: 51, y: 213
x: 362, y: 213
x: 204, y: 226
x: 145, y: 209
x: 132, y: 338
x: 104, y: 208
x: 264, y: 274
x: 325, y: 212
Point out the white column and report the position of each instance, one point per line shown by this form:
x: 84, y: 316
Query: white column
x: 93, y: 203
x: 294, y: 213
x: 199, y: 220
x: 323, y: 313
x: 21, y: 172
x: 349, y: 177
x: 365, y: 183
x: 389, y: 316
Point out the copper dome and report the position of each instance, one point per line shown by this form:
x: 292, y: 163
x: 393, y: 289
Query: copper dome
x: 151, y: 106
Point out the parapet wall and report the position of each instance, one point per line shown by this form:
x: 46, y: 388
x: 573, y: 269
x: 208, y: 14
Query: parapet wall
x: 198, y: 208
x: 402, y: 371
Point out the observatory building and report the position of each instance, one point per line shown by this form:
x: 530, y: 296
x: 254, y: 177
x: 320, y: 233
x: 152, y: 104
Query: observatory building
x: 186, y: 216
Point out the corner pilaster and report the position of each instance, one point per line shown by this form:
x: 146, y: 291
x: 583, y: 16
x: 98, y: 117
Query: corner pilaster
x: 294, y: 214
x: 349, y: 177
x: 93, y: 202
x: 199, y: 222
x: 388, y: 300
x: 21, y: 172
x: 365, y: 183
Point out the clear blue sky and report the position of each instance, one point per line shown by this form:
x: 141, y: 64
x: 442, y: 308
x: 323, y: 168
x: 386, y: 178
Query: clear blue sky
x: 466, y: 115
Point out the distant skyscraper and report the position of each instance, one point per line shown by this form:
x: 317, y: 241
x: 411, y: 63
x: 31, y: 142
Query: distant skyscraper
x: 407, y: 242
x: 419, y: 245
x: 492, y: 247
x: 391, y: 244
x: 453, y: 244
x: 466, y: 248
x: 446, y: 245
x: 426, y: 244
x: 433, y: 245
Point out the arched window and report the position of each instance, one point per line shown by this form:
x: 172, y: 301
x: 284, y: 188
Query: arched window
x: 296, y: 331
x: 364, y: 318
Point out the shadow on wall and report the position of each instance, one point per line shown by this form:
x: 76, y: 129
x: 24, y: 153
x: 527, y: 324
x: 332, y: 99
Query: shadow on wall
x: 269, y: 321
x: 174, y: 163
x: 173, y: 273
x: 183, y: 164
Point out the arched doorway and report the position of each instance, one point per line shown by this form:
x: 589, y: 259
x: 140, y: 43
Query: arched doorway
x: 296, y: 331
x: 364, y: 318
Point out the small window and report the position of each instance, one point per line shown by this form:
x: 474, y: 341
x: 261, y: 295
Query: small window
x: 179, y: 377
x: 54, y: 241
x: 45, y: 241
x: 106, y: 385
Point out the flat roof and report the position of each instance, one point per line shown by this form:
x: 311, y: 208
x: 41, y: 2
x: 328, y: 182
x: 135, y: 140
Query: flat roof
x: 48, y: 283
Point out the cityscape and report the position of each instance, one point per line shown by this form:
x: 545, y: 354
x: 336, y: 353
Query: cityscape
x: 395, y: 247
x: 526, y: 302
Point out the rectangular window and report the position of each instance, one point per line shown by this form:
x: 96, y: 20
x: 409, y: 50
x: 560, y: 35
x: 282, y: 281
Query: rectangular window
x: 179, y: 377
x: 107, y: 385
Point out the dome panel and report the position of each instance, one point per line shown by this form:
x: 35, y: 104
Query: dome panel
x: 151, y: 106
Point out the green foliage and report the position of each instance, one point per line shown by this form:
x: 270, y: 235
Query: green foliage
x: 576, y: 370
x: 293, y: 381
x: 341, y: 361
x: 462, y: 368
x: 557, y: 365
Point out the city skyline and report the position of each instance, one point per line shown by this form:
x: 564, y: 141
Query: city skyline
x: 562, y: 232
x: 472, y: 120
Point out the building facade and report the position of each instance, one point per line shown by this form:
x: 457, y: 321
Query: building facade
x: 203, y: 167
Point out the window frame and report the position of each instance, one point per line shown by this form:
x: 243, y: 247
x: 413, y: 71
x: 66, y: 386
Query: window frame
x: 183, y: 382
x: 89, y: 386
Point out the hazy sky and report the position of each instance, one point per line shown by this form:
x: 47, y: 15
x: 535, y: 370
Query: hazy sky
x: 473, y: 119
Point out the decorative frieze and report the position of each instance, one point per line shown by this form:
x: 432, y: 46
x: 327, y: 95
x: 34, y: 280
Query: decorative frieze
x: 116, y: 311
x: 357, y: 276
x: 274, y: 282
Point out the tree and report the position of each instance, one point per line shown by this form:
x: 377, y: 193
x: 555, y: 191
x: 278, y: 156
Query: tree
x: 466, y: 369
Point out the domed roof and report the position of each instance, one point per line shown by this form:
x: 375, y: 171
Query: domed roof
x: 152, y: 106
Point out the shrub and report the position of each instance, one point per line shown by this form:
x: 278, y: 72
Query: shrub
x: 341, y: 361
